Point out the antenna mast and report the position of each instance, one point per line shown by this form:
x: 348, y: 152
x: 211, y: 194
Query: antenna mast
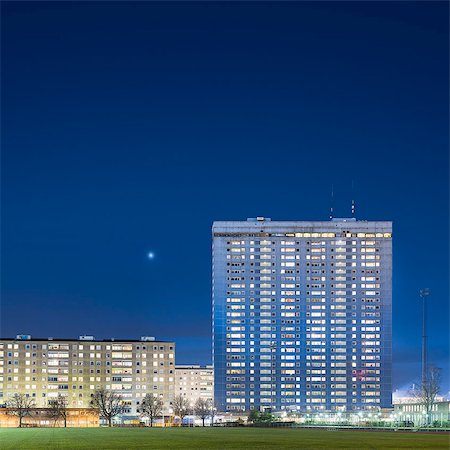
x: 332, y: 203
x: 353, y: 200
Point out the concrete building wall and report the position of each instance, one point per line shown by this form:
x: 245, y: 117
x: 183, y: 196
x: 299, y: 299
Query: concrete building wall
x: 44, y: 368
x: 416, y: 412
x: 302, y: 315
x: 194, y: 382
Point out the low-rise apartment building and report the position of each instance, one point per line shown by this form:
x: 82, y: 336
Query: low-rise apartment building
x: 414, y: 412
x: 75, y: 368
x: 194, y: 382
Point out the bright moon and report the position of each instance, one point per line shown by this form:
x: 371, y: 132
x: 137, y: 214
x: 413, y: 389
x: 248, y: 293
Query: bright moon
x: 150, y: 255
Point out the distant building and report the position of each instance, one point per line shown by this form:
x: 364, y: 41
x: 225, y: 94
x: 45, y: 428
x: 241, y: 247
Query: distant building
x: 75, y: 368
x: 302, y: 315
x: 194, y: 382
x: 414, y: 412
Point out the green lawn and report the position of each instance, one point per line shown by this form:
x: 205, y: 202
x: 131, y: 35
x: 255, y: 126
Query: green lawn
x: 216, y: 438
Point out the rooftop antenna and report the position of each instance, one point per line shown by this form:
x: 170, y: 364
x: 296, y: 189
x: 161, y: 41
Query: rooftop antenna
x: 353, y: 200
x: 332, y: 202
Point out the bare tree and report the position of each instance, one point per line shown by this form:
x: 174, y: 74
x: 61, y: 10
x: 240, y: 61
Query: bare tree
x: 202, y: 409
x: 181, y: 406
x: 20, y: 405
x: 108, y: 403
x: 426, y: 392
x: 151, y: 407
x: 213, y: 409
x: 58, y: 408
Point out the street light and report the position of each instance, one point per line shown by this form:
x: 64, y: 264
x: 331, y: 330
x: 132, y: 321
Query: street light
x: 424, y: 293
x: 393, y: 419
x: 360, y: 415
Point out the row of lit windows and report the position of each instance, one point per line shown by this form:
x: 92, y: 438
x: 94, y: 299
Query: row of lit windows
x: 122, y: 347
x: 347, y: 234
x: 313, y: 249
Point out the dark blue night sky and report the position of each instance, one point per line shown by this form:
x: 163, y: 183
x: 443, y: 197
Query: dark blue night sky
x: 129, y: 128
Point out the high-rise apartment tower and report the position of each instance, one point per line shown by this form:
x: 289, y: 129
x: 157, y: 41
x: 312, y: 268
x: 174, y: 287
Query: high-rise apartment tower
x: 302, y: 315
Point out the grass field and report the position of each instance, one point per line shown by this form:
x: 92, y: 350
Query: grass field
x: 216, y: 438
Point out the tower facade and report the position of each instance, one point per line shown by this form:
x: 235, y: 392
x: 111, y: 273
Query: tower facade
x: 302, y: 315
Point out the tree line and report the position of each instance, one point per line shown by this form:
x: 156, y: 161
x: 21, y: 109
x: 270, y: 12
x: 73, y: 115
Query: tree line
x: 110, y: 404
x: 21, y: 406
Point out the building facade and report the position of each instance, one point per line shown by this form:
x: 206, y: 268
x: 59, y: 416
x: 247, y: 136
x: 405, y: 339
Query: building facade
x: 415, y: 414
x: 302, y: 315
x: 44, y: 368
x: 194, y: 382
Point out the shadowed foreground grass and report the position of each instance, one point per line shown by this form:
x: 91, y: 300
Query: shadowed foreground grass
x: 216, y: 438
